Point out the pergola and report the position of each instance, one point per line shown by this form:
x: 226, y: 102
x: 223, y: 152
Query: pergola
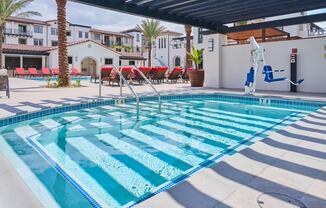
x: 215, y: 14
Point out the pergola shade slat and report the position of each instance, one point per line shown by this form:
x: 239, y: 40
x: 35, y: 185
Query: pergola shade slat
x: 209, y: 14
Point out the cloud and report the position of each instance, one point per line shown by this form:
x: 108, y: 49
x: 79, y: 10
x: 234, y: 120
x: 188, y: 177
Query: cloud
x: 92, y: 16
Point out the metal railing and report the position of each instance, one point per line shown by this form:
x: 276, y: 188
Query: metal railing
x: 122, y: 78
x: 10, y: 31
x: 150, y: 84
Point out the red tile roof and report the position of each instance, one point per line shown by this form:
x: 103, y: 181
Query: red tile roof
x: 26, y: 20
x: 17, y: 47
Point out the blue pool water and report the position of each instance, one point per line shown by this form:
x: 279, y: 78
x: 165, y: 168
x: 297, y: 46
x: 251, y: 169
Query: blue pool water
x: 104, y: 157
x: 54, y: 78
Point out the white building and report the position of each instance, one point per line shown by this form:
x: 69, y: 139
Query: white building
x: 137, y: 39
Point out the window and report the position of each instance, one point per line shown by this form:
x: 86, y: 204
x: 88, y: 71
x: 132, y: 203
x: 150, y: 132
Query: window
x: 132, y: 63
x: 69, y: 33
x: 159, y: 43
x: 164, y: 42
x: 86, y: 35
x: 22, y: 41
x: 54, y: 43
x: 137, y: 49
x: 108, y: 61
x: 54, y: 31
x: 97, y: 36
x: 137, y: 37
x: 200, y: 35
x: 38, y: 42
x: 22, y: 29
x: 38, y: 29
x: 69, y: 59
x: 80, y: 34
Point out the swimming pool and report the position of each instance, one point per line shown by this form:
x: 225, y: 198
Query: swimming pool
x: 99, y: 155
x: 54, y: 78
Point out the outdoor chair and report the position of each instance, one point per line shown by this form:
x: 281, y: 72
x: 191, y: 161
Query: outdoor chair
x: 46, y: 72
x: 55, y: 71
x: 158, y: 74
x: 33, y: 72
x: 75, y: 72
x: 115, y: 78
x: 138, y: 77
x: 105, y: 74
x: 4, y: 82
x: 20, y: 72
x: 174, y: 75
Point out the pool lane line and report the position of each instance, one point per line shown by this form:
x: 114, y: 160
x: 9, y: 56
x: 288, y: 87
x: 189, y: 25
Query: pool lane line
x: 52, y: 163
x: 203, y: 165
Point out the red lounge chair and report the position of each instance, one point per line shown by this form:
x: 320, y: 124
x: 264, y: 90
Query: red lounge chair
x: 46, y: 72
x: 106, y: 73
x: 75, y: 72
x: 33, y: 72
x: 55, y: 71
x: 174, y: 75
x: 158, y: 74
x: 20, y: 72
x: 125, y: 71
x: 138, y: 77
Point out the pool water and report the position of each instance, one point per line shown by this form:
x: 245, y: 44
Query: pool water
x: 104, y: 157
x: 55, y: 78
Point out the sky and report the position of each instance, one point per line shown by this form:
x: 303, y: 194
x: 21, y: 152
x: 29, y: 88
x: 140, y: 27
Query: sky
x: 93, y: 16
x: 103, y: 19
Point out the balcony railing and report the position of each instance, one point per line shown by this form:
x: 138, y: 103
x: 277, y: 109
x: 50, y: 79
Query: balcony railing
x: 317, y: 32
x: 9, y: 31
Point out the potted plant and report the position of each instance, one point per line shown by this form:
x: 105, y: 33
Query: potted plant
x: 196, y: 75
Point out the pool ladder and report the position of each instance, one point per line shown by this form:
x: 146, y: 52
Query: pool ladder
x: 122, y: 78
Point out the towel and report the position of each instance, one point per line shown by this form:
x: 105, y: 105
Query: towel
x: 3, y: 72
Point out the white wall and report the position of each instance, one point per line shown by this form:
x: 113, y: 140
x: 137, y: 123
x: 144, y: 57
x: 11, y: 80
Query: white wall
x: 311, y: 64
x: 212, y: 60
x: 83, y: 50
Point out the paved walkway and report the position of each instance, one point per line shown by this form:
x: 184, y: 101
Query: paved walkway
x: 288, y: 165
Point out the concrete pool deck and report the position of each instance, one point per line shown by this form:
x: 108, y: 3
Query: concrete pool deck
x: 289, y: 162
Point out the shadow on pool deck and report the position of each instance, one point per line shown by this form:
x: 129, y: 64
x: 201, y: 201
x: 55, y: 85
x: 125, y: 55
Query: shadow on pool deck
x: 286, y: 163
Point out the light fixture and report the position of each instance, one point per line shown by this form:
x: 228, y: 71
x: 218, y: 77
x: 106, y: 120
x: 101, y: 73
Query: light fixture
x: 211, y: 45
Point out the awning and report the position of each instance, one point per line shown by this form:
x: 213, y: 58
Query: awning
x: 214, y: 14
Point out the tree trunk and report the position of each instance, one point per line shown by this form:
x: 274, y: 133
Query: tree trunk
x: 1, y: 38
x: 62, y: 43
x: 149, y: 54
x: 188, y: 41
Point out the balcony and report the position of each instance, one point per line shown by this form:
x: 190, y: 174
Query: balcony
x: 17, y: 32
x: 316, y: 32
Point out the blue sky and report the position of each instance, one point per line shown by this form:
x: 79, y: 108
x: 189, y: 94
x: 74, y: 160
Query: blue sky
x: 102, y: 18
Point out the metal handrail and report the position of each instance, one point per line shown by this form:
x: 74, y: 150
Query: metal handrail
x: 130, y: 88
x: 150, y: 84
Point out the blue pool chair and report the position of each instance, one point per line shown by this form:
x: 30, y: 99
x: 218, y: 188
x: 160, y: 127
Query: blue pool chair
x: 250, y: 77
x: 269, y: 77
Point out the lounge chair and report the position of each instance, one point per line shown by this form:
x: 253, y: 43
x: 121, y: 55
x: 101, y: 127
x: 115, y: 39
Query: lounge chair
x: 55, y: 71
x: 174, y: 75
x: 33, y: 72
x: 125, y: 71
x: 75, y: 72
x: 20, y: 72
x: 158, y: 74
x: 46, y: 72
x: 106, y: 73
x: 4, y: 82
x: 138, y: 77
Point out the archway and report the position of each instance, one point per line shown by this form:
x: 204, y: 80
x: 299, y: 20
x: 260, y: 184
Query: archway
x: 88, y: 66
x: 177, y: 61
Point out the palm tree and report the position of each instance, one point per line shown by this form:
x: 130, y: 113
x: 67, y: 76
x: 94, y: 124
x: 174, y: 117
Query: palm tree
x: 9, y: 8
x: 188, y: 47
x: 62, y: 43
x: 151, y: 30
